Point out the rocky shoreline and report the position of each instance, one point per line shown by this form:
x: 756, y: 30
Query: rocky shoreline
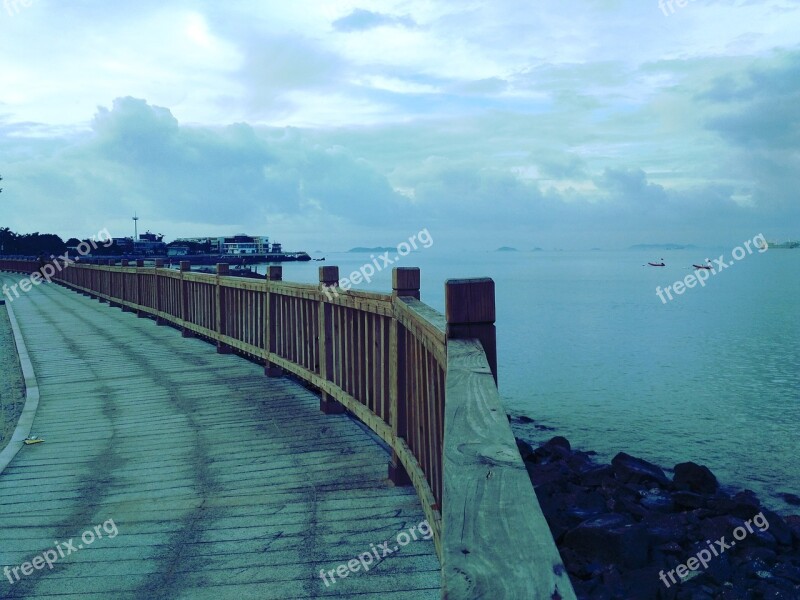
x: 627, y: 531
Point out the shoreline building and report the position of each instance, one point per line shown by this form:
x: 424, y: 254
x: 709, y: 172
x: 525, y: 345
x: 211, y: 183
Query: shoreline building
x: 234, y: 245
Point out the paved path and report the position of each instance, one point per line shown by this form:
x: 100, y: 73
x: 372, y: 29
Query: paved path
x: 206, y: 479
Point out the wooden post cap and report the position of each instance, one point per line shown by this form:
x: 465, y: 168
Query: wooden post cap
x: 223, y: 268
x: 275, y: 273
x: 139, y: 262
x: 406, y: 281
x: 159, y: 263
x: 469, y: 301
x: 186, y: 265
x: 329, y: 275
x: 125, y: 262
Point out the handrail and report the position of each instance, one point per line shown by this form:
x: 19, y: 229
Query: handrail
x: 423, y: 382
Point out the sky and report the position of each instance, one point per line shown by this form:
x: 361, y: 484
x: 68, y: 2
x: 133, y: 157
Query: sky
x: 330, y: 124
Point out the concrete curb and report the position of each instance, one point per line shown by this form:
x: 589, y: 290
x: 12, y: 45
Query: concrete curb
x: 25, y: 423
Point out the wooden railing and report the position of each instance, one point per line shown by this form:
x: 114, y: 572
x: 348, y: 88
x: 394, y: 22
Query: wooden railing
x: 423, y: 382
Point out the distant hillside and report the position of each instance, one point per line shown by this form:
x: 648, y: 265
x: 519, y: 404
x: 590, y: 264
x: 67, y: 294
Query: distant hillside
x: 375, y: 249
x: 506, y: 249
x: 662, y: 247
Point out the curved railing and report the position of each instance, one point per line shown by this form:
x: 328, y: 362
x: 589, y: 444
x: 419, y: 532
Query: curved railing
x: 423, y: 382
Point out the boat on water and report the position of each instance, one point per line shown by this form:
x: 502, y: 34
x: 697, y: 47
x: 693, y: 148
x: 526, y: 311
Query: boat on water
x: 660, y: 264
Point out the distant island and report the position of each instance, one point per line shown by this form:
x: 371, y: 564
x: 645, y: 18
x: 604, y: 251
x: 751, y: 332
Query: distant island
x: 662, y: 247
x: 784, y: 245
x: 375, y: 249
x: 506, y: 249
x: 537, y: 249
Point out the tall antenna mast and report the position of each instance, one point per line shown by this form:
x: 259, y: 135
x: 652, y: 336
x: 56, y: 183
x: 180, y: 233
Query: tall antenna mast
x: 135, y: 227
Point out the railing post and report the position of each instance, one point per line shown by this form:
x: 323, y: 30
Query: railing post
x: 159, y: 299
x: 405, y: 283
x: 139, y: 266
x: 186, y: 266
x: 328, y: 278
x: 470, y: 313
x: 222, y: 271
x: 274, y: 273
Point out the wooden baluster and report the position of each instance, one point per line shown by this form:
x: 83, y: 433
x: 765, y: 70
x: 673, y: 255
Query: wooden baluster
x: 126, y: 285
x: 329, y: 286
x: 138, y: 276
x: 159, y: 291
x: 185, y: 267
x: 221, y: 309
x: 274, y: 273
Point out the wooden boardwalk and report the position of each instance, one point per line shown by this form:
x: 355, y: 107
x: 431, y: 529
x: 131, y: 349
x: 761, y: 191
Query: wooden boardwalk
x: 220, y: 482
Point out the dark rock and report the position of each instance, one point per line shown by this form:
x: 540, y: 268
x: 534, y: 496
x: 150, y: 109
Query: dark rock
x: 792, y: 499
x: 524, y: 419
x: 665, y: 529
x: 689, y: 500
x: 657, y: 500
x: 552, y: 451
x: 744, y: 505
x: 525, y: 449
x: 617, y: 527
x: 642, y: 584
x: 729, y: 592
x: 579, y: 463
x: 788, y: 572
x: 793, y: 523
x: 629, y: 469
x: 714, y: 528
x: 559, y: 442
x: 584, y: 504
x: 695, y: 478
x: 598, y: 476
x: 777, y: 527
x: 733, y: 593
x: 611, y: 538
x: 546, y: 473
x: 759, y: 538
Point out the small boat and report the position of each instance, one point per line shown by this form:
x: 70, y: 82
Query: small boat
x: 706, y: 267
x: 661, y: 264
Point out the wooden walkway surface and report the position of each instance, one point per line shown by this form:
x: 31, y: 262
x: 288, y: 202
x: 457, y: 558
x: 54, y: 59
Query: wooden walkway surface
x: 220, y: 482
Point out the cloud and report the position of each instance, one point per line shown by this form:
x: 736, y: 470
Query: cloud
x: 363, y: 20
x: 765, y: 108
x: 600, y: 122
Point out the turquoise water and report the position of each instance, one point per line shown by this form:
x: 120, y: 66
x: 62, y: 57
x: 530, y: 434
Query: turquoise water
x: 586, y: 347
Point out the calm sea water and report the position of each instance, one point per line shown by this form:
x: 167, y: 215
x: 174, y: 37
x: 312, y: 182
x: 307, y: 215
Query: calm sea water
x: 587, y: 348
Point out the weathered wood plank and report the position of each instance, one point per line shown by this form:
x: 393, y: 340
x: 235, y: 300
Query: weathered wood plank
x: 496, y: 542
